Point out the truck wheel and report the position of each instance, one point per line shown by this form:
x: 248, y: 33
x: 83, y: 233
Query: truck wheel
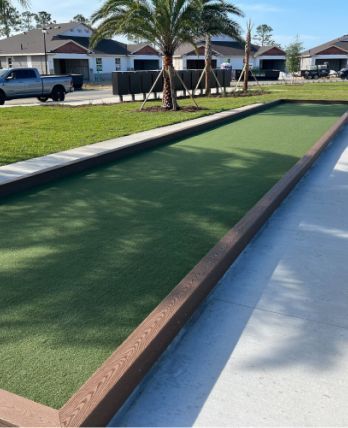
x: 316, y: 77
x: 58, y: 94
x: 2, y: 98
x: 42, y: 99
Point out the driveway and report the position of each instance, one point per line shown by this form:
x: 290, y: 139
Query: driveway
x: 75, y: 98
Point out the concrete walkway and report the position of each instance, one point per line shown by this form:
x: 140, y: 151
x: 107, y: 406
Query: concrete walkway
x: 270, y: 346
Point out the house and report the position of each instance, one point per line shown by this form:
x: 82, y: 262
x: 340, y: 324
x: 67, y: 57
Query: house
x: 224, y: 50
x: 67, y: 48
x: 334, y: 53
x: 142, y: 56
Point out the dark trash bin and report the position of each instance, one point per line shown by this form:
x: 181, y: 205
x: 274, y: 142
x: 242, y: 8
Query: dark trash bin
x: 77, y: 81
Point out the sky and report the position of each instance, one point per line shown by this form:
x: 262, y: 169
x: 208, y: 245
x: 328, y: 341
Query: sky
x: 314, y: 21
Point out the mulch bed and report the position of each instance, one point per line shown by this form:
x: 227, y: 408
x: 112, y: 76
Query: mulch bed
x: 160, y: 109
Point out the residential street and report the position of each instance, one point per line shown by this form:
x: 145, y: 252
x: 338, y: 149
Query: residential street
x: 78, y: 97
x: 105, y: 96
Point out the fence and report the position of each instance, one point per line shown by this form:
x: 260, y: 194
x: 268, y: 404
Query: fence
x: 264, y: 75
x: 140, y: 82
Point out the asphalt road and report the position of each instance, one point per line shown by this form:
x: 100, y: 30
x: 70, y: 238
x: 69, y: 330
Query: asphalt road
x: 105, y: 96
x: 85, y: 96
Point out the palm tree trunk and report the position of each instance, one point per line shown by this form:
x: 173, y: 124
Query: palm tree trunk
x: 247, y: 59
x: 208, y: 61
x: 169, y: 96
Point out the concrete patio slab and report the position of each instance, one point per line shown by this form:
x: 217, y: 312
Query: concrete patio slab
x: 270, y: 345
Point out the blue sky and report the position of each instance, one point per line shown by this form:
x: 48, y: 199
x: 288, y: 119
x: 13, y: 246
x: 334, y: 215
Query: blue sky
x: 315, y: 21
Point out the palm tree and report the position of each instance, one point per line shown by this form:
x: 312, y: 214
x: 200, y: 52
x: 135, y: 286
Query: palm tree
x: 163, y: 23
x: 216, y: 20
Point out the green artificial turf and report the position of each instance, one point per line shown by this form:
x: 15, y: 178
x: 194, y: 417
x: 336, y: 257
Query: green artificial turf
x: 85, y: 259
x: 28, y: 132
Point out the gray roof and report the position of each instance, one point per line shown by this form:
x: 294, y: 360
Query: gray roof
x: 32, y: 42
x: 262, y: 50
x: 105, y: 46
x: 224, y: 48
x: 340, y: 42
x: 134, y: 48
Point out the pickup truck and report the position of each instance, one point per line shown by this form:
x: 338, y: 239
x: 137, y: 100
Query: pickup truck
x: 27, y: 83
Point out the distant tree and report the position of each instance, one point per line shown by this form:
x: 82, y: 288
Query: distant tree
x: 10, y: 19
x: 43, y: 18
x: 82, y: 19
x: 293, y: 55
x: 7, y: 3
x: 264, y: 35
x: 27, y: 21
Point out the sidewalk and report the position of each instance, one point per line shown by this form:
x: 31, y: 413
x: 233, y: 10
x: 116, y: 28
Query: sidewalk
x: 270, y: 345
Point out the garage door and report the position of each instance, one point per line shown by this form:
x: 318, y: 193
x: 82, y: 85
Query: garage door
x: 198, y: 64
x: 146, y: 64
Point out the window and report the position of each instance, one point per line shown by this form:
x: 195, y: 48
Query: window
x: 117, y: 64
x: 25, y: 74
x: 22, y: 74
x: 99, y: 64
x: 9, y: 62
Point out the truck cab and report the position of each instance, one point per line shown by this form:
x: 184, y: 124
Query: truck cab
x: 27, y: 82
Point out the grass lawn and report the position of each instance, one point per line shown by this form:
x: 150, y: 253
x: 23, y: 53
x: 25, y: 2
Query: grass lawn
x: 28, y: 132
x: 85, y: 259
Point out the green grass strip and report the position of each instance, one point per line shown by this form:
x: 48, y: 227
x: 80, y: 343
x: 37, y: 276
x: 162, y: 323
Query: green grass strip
x: 28, y: 132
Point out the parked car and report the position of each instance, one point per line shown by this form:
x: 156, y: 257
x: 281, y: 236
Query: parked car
x: 316, y: 72
x: 27, y: 82
x: 343, y: 74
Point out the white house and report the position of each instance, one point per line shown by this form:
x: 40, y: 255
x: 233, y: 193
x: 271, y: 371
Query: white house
x: 334, y: 53
x: 225, y: 50
x: 65, y: 48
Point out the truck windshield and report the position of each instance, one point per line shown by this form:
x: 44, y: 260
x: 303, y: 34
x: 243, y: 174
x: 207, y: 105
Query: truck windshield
x: 3, y: 71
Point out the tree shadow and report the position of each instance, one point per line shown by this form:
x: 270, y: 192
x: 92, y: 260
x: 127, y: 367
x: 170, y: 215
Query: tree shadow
x: 264, y: 290
x: 307, y: 109
x: 85, y: 259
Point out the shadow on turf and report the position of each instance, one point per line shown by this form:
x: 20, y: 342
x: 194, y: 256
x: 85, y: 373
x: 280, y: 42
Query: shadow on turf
x: 83, y: 262
x: 174, y: 393
x: 306, y: 109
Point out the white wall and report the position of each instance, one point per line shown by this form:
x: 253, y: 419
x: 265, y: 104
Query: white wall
x: 307, y: 62
x: 178, y: 63
x: 236, y: 62
x: 328, y: 57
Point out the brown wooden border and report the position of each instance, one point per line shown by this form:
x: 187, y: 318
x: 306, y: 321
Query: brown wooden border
x: 104, y: 393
